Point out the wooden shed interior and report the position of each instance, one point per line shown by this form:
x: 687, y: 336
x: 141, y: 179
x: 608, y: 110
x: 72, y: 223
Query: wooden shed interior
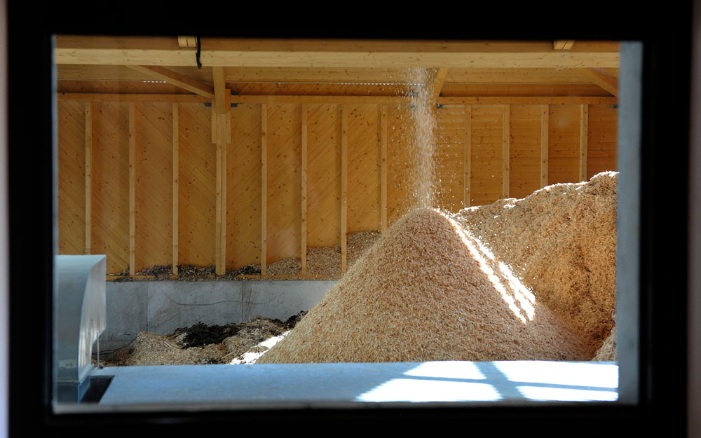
x: 187, y: 150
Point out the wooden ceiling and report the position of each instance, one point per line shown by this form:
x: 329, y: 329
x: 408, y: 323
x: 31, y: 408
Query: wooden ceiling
x: 188, y: 68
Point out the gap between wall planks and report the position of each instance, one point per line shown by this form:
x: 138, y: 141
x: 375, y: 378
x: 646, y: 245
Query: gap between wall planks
x: 583, y: 143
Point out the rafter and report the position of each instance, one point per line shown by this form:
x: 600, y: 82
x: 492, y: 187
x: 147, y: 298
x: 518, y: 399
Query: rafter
x: 176, y: 79
x: 603, y: 79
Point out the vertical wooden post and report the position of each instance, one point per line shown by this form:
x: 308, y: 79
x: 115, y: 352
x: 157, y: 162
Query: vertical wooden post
x: 467, y: 163
x: 303, y: 206
x: 221, y: 137
x: 383, y: 168
x: 264, y: 190
x: 505, y: 151
x: 176, y: 179
x: 88, y: 178
x: 583, y: 140
x: 132, y: 189
x: 544, y: 141
x: 344, y: 188
x: 220, y: 233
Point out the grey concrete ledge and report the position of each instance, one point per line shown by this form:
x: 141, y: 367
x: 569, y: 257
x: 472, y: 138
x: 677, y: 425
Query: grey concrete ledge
x: 163, y: 306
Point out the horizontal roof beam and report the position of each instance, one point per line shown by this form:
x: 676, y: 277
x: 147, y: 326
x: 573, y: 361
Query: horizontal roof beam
x: 217, y: 52
x: 379, y: 100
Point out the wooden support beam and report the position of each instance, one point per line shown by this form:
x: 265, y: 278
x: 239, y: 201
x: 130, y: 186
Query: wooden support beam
x: 467, y: 154
x: 88, y: 178
x: 528, y: 100
x: 344, y: 189
x: 221, y: 103
x: 264, y: 191
x: 331, y: 100
x: 505, y: 151
x: 383, y: 168
x: 603, y: 79
x: 583, y: 141
x: 176, y: 179
x: 112, y: 97
x: 359, y: 100
x: 339, y: 53
x: 170, y: 77
x: 132, y: 189
x: 544, y: 143
x: 220, y: 220
x: 438, y: 76
x: 221, y: 137
x: 303, y: 206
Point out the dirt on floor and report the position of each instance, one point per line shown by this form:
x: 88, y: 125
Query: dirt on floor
x: 202, y: 344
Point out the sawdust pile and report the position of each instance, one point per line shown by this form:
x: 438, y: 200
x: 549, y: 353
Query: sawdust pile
x: 427, y: 290
x: 561, y: 242
x: 324, y: 263
x: 607, y: 352
x: 200, y: 344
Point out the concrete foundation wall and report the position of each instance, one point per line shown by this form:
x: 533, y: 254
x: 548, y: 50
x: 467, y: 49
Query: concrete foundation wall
x: 163, y: 306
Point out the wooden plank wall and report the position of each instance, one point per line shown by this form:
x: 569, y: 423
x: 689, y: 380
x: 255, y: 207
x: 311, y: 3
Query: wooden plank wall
x: 138, y: 180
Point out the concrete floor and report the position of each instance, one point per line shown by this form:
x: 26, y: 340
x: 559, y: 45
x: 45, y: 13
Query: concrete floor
x: 189, y: 387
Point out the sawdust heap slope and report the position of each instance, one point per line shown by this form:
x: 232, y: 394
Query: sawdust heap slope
x: 424, y: 292
x: 561, y: 242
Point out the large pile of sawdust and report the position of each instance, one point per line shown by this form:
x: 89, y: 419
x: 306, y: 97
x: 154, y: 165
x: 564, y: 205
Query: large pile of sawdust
x: 518, y: 279
x: 427, y: 290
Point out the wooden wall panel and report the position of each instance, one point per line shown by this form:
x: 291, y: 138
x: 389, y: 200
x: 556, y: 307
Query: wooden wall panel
x: 449, y: 158
x: 603, y: 142
x: 401, y: 158
x: 197, y: 187
x: 243, y: 188
x: 363, y: 168
x: 71, y: 177
x: 563, y: 147
x: 323, y: 175
x: 523, y: 135
x: 284, y: 183
x: 110, y: 184
x: 486, y: 153
x: 154, y: 184
x: 524, y: 154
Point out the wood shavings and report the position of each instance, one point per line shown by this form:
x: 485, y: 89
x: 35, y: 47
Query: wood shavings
x: 561, y: 243
x: 426, y: 291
